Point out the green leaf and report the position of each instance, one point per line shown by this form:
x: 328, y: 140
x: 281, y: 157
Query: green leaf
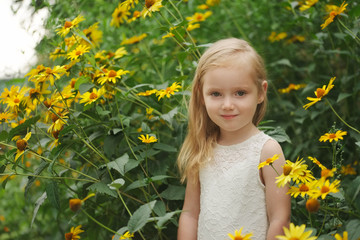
x: 3, y: 135
x: 52, y: 192
x: 119, y: 164
x: 37, y: 172
x: 38, y: 203
x: 283, y: 61
x: 80, y: 81
x: 164, y: 147
x: 170, y: 115
x: 22, y: 129
x: 279, y: 135
x: 83, y: 88
x: 116, y: 184
x: 101, y: 188
x: 353, y: 229
x: 137, y: 184
x: 174, y: 193
x: 163, y: 219
x: 140, y: 217
x: 342, y: 96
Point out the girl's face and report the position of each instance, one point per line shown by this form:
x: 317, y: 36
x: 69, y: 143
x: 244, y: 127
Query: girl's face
x: 230, y: 98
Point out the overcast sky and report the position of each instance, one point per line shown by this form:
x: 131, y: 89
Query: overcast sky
x: 19, y: 36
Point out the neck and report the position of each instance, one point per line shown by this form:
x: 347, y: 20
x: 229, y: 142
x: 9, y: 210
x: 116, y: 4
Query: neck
x: 230, y: 138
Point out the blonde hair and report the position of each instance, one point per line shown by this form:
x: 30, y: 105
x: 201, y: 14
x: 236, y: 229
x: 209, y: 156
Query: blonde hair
x: 202, y: 132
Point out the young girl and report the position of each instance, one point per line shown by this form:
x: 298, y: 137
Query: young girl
x: 220, y: 156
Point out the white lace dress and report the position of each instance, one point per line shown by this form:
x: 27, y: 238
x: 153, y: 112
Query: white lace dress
x: 232, y: 194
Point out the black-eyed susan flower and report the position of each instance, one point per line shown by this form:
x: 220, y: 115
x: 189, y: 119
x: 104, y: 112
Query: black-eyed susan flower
x: 21, y: 145
x: 68, y: 25
x: 150, y: 7
x: 147, y: 139
x: 5, y: 117
x: 291, y: 87
x: 294, y: 171
x: 168, y: 91
x: 134, y: 39
x: 120, y: 52
x: 268, y: 161
x: 93, y: 34
x: 74, y: 233
x: 93, y: 96
x: 296, y: 232
x: 212, y: 3
x: 320, y: 93
x: 324, y: 188
x: 111, y: 76
x: 275, y: 37
x: 49, y: 74
x: 333, y: 136
x: 314, y: 160
x: 312, y: 205
x: 343, y: 237
x: 327, y: 173
x: 238, y: 235
x: 302, y: 190
x: 136, y: 15
x: 308, y: 4
x: 147, y: 92
x: 333, y: 14
x: 191, y: 27
x: 348, y: 170
x: 58, y: 120
x: 120, y: 15
x: 77, y: 52
x: 127, y: 235
x: 199, y: 17
x: 76, y: 203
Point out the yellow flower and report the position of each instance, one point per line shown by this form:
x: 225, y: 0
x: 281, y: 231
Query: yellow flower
x: 76, y: 203
x: 199, y: 17
x: 21, y: 145
x: 134, y: 39
x: 191, y: 27
x: 348, y: 170
x: 119, y: 15
x: 302, y: 190
x: 151, y: 6
x: 77, y: 52
x: 238, y: 235
x: 333, y: 14
x: 203, y: 7
x: 308, y: 4
x: 268, y: 161
x: 130, y: 3
x: 147, y: 138
x: 312, y: 205
x: 5, y: 117
x: 74, y: 233
x: 111, y: 76
x: 333, y: 136
x: 294, y: 171
x: 326, y: 173
x: 314, y: 160
x: 147, y: 92
x: 120, y: 52
x: 58, y: 121
x: 68, y: 25
x: 136, y: 15
x: 324, y: 189
x: 295, y: 38
x: 168, y: 91
x: 274, y: 37
x: 127, y: 235
x: 320, y: 93
x: 295, y: 232
x: 212, y: 3
x: 93, y: 34
x: 344, y: 237
x: 90, y: 97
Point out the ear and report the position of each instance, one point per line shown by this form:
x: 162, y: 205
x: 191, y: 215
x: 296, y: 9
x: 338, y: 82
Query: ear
x: 262, y: 94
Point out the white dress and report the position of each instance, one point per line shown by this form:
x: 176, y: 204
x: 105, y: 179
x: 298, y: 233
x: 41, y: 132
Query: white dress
x: 232, y: 194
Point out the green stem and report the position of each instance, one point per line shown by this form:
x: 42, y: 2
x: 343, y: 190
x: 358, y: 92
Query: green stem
x: 99, y: 223
x: 46, y: 177
x: 350, y: 32
x: 342, y: 120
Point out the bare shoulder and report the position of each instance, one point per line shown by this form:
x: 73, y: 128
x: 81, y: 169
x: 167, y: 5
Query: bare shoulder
x: 270, y: 148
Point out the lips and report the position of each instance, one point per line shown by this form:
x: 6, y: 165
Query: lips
x: 228, y: 117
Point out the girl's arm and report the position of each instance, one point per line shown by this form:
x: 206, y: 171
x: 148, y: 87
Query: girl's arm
x: 188, y: 222
x: 278, y: 203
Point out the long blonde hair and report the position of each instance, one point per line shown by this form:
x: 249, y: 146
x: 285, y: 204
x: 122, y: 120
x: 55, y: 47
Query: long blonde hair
x: 202, y: 132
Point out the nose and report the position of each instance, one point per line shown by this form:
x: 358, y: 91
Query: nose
x: 227, y: 104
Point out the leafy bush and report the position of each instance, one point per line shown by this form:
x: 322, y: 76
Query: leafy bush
x: 92, y: 134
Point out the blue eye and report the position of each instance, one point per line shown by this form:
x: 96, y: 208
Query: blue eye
x: 240, y: 93
x: 215, y: 94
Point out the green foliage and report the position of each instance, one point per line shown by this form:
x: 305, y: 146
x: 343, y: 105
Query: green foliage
x: 78, y: 148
